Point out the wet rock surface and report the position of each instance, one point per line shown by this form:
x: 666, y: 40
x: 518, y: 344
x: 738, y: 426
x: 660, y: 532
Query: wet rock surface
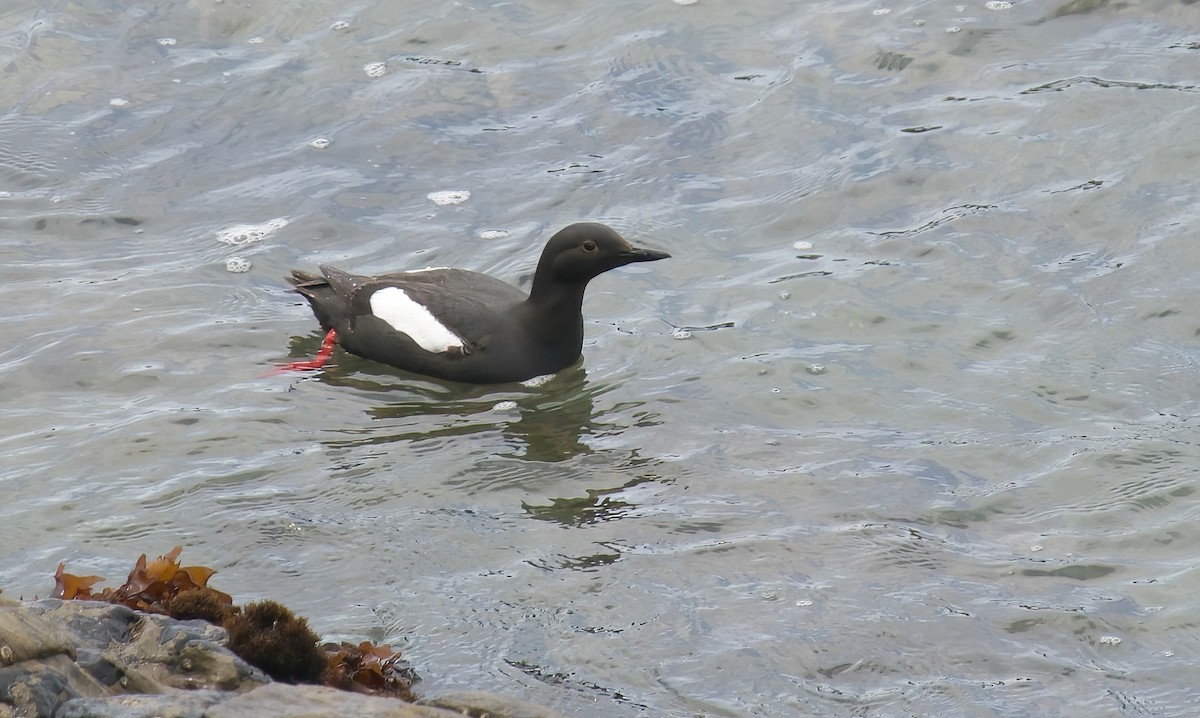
x: 84, y: 659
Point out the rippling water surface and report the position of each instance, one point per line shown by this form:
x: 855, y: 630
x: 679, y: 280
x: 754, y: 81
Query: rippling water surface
x: 907, y: 426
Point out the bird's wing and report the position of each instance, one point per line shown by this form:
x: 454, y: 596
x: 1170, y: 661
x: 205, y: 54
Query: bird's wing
x: 465, y: 303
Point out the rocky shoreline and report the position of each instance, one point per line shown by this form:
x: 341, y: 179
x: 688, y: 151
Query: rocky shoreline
x: 87, y: 659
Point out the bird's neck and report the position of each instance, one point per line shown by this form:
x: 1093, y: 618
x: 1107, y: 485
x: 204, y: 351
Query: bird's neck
x: 556, y: 312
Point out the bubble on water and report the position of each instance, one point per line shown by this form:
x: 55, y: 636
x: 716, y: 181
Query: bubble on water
x: 505, y: 406
x: 538, y: 381
x: 450, y: 196
x: 320, y: 143
x: 881, y: 11
x: 802, y: 245
x: 999, y: 5
x: 375, y: 69
x: 1110, y: 640
x: 816, y: 369
x: 785, y: 294
x: 247, y: 233
x: 339, y: 25
x: 493, y: 233
x: 118, y: 102
x: 5, y: 194
x: 776, y: 390
x: 955, y: 28
x: 918, y: 23
x: 237, y: 265
x: 1037, y: 547
x: 680, y: 333
x: 804, y: 602
x: 167, y: 41
x: 685, y: 2
x: 256, y: 40
x: 143, y: 366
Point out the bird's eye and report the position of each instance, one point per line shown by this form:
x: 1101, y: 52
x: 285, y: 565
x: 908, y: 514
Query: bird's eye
x: 589, y: 246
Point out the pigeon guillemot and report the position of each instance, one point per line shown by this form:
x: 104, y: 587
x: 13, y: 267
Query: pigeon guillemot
x: 465, y: 326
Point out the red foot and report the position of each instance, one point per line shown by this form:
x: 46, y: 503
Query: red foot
x: 316, y: 362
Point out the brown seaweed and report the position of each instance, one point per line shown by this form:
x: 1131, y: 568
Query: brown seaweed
x: 368, y: 668
x: 149, y: 586
x: 265, y: 634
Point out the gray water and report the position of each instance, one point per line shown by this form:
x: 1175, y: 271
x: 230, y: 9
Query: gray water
x: 906, y: 427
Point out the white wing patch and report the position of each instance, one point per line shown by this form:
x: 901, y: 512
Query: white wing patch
x: 404, y: 315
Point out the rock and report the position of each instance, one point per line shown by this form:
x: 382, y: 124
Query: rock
x: 147, y: 653
x: 84, y: 659
x: 192, y: 704
x: 188, y: 654
x: 36, y: 687
x: 25, y: 637
x: 75, y: 655
x: 480, y: 703
x: 279, y: 700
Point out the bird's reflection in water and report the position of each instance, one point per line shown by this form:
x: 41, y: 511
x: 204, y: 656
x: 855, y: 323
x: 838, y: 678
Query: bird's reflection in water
x: 596, y: 506
x: 543, y: 422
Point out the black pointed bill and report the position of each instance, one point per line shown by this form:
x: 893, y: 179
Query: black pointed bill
x: 637, y: 254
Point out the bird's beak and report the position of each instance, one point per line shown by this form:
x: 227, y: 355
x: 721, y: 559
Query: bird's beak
x: 637, y: 254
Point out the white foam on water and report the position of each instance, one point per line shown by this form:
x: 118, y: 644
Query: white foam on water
x: 248, y: 233
x: 448, y: 197
x: 538, y: 380
x: 237, y: 265
x: 375, y: 69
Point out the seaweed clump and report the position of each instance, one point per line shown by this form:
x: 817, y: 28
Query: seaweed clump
x: 367, y: 668
x: 149, y: 587
x: 268, y: 635
x: 265, y: 634
x: 203, y: 603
